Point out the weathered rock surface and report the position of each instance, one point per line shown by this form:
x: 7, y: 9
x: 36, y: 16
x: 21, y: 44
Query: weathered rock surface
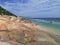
x: 19, y: 31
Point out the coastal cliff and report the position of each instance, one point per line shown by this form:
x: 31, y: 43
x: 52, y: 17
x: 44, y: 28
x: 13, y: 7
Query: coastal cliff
x: 20, y: 31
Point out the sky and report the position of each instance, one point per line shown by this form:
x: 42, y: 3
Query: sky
x: 33, y: 8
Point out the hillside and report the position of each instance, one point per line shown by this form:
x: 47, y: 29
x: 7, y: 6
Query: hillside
x: 19, y: 31
x: 5, y: 12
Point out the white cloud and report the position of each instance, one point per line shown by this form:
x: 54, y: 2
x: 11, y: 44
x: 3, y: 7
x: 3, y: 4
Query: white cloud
x: 35, y: 7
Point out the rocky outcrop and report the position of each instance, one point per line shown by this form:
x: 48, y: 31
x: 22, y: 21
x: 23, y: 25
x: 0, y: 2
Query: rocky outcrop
x: 19, y: 31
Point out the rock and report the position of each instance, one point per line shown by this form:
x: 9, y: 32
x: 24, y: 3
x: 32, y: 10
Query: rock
x: 40, y: 43
x: 17, y: 36
x: 19, y: 31
x: 5, y: 43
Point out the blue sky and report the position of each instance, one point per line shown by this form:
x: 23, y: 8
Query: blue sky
x: 33, y: 8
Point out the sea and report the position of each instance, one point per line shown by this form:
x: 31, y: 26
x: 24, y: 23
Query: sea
x: 50, y: 23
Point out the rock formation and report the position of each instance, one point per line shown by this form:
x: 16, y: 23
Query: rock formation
x: 19, y: 31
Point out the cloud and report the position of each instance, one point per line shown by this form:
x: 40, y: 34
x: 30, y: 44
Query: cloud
x: 33, y: 8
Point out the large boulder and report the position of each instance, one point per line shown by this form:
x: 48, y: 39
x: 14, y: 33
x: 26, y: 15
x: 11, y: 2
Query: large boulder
x: 19, y: 31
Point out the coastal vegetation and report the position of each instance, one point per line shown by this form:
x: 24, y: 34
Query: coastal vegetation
x: 5, y: 12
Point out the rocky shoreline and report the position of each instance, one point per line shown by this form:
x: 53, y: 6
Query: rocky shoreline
x: 19, y: 31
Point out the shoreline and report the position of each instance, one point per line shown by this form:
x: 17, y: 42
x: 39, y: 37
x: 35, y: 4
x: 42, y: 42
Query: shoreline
x: 50, y: 29
x: 45, y: 27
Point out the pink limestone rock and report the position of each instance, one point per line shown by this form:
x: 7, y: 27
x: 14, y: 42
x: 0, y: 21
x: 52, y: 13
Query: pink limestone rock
x: 19, y: 31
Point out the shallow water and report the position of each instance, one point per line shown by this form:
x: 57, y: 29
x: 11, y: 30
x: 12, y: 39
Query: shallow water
x: 46, y: 24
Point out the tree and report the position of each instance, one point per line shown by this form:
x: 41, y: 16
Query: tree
x: 5, y: 12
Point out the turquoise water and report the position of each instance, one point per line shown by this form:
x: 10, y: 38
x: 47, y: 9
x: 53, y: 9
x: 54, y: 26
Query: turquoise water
x: 53, y: 27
